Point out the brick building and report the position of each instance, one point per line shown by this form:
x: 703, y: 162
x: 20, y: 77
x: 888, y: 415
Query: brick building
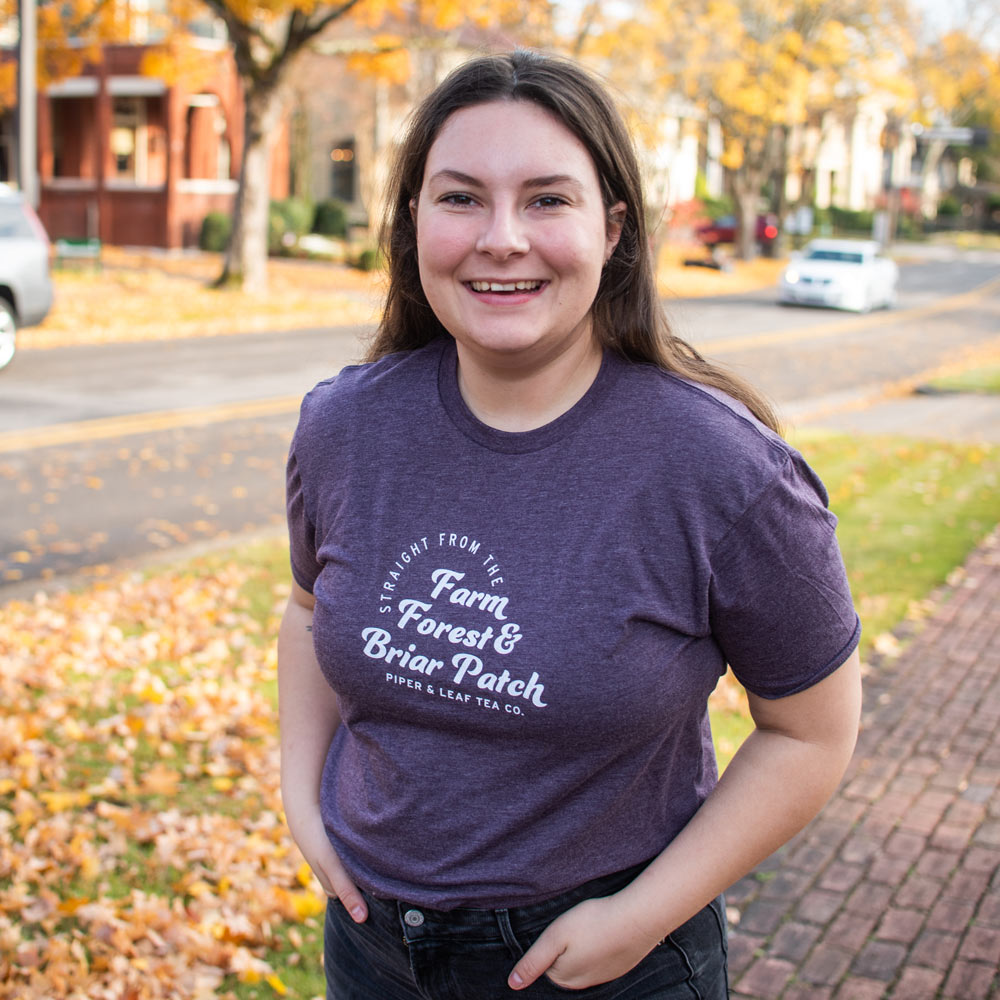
x: 135, y: 160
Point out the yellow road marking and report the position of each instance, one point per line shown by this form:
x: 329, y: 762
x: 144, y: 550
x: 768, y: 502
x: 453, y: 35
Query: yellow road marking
x: 143, y: 423
x: 799, y: 334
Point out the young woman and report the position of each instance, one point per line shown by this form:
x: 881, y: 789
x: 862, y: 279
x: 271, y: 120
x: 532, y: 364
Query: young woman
x: 527, y: 537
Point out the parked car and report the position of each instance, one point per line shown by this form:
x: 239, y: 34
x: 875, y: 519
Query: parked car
x: 841, y: 274
x: 725, y: 230
x: 25, y: 281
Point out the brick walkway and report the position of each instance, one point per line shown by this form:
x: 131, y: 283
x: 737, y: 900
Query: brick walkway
x: 894, y: 890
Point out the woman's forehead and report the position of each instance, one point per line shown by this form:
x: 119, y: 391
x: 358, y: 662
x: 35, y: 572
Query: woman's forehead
x: 508, y: 136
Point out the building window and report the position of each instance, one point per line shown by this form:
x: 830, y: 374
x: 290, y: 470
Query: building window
x: 343, y: 182
x: 128, y: 139
x: 74, y: 137
x: 207, y: 153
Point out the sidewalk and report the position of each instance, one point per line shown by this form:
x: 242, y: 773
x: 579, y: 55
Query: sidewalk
x: 894, y: 890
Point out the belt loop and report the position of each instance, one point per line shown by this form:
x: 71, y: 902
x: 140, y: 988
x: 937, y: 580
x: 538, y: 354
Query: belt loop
x: 507, y: 932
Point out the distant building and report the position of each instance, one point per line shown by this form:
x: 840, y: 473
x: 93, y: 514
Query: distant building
x: 135, y: 160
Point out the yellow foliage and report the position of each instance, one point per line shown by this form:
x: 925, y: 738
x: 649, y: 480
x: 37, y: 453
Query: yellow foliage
x: 732, y: 156
x: 391, y: 65
x: 276, y: 984
x: 57, y: 802
x: 176, y: 60
x: 8, y: 85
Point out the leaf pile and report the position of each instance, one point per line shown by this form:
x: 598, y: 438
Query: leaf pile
x: 143, y: 853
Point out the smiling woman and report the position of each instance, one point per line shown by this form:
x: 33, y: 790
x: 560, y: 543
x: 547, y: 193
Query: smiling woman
x: 496, y: 756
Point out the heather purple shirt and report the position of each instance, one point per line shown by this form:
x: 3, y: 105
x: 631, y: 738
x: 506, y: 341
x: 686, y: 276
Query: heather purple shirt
x: 523, y: 629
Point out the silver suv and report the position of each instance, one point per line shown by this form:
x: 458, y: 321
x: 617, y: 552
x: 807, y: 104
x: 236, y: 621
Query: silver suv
x: 25, y: 283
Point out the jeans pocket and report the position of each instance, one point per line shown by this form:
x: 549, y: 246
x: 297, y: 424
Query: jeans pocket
x: 689, y: 964
x: 701, y: 947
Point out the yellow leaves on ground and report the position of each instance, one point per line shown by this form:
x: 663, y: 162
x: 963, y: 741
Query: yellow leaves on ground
x: 142, y: 849
x: 160, y: 299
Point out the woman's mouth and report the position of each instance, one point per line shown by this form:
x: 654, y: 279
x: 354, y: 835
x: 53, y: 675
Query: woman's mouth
x: 506, y: 286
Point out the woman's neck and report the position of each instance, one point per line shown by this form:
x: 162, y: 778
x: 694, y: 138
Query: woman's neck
x: 519, y: 397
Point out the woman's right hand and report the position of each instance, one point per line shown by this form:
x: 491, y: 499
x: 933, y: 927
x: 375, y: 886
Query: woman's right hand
x: 326, y: 866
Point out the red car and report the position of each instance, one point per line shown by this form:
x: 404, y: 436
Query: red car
x: 724, y: 230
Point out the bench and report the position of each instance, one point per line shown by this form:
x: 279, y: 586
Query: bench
x: 78, y: 251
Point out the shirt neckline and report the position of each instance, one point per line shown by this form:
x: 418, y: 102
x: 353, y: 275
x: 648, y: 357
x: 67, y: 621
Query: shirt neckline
x: 517, y: 442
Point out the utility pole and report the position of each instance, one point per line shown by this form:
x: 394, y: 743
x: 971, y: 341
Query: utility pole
x: 27, y: 101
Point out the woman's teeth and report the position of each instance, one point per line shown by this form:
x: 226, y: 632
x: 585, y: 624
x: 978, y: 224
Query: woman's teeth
x: 505, y: 286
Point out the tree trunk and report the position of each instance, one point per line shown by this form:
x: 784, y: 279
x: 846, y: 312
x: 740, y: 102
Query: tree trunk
x: 246, y: 257
x: 746, y: 193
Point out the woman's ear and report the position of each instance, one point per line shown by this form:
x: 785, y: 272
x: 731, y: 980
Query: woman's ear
x: 616, y: 219
x: 413, y: 210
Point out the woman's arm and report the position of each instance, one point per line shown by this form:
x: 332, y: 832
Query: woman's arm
x: 779, y: 779
x: 309, y: 716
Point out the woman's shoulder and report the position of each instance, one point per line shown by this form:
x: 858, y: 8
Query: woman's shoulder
x: 356, y: 388
x: 710, y: 438
x: 699, y: 415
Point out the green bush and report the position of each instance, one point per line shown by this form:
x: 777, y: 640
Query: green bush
x: 291, y: 216
x: 949, y: 206
x: 908, y: 227
x: 330, y: 218
x: 369, y: 260
x: 847, y: 220
x: 216, y: 229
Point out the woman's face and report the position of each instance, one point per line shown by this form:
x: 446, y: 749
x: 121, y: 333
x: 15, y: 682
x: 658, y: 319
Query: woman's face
x: 512, y: 235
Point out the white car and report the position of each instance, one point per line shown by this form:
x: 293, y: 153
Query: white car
x: 842, y: 274
x: 25, y: 283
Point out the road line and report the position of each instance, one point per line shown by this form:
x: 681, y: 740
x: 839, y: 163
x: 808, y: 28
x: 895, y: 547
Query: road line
x: 853, y: 323
x: 143, y: 423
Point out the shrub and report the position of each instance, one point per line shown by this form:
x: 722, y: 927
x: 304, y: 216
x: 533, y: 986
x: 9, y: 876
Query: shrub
x: 330, y: 218
x: 949, y: 206
x: 851, y: 221
x: 369, y: 260
x: 216, y: 229
x: 286, y: 221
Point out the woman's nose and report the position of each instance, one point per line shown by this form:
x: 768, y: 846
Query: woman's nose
x: 503, y: 235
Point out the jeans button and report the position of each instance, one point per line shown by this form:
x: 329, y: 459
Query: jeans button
x: 413, y: 918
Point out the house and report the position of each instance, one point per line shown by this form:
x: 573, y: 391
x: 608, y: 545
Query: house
x: 135, y: 159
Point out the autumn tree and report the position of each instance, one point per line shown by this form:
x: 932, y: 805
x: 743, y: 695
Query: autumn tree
x: 756, y: 67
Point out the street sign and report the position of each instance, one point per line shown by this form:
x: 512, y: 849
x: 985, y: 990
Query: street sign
x: 954, y: 135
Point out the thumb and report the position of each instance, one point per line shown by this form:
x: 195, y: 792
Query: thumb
x: 343, y: 888
x: 534, y: 962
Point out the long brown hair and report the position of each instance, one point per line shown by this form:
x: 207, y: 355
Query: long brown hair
x: 627, y: 314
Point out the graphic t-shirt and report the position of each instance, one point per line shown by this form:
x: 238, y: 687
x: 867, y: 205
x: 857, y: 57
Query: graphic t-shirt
x: 523, y: 629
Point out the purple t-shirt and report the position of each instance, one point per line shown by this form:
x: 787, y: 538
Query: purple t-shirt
x: 523, y: 629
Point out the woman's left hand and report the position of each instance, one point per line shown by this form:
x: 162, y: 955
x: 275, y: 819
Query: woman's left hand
x: 594, y: 942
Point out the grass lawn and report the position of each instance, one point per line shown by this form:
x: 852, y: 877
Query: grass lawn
x: 142, y: 848
x: 984, y: 379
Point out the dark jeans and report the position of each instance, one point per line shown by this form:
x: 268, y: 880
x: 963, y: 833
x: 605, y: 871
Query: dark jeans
x: 404, y: 952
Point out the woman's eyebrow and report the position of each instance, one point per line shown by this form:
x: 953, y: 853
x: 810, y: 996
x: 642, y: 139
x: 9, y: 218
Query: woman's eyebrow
x: 551, y: 180
x: 457, y: 176
x: 548, y: 180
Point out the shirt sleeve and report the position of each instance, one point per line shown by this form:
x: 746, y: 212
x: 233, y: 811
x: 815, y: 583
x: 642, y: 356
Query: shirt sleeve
x: 301, y: 529
x: 780, y: 606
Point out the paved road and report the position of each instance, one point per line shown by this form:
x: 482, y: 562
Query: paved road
x: 119, y: 451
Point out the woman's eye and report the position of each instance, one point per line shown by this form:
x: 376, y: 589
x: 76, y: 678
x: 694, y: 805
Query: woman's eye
x: 457, y: 199
x: 550, y: 201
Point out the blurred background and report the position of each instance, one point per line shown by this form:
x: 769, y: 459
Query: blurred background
x: 151, y: 123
